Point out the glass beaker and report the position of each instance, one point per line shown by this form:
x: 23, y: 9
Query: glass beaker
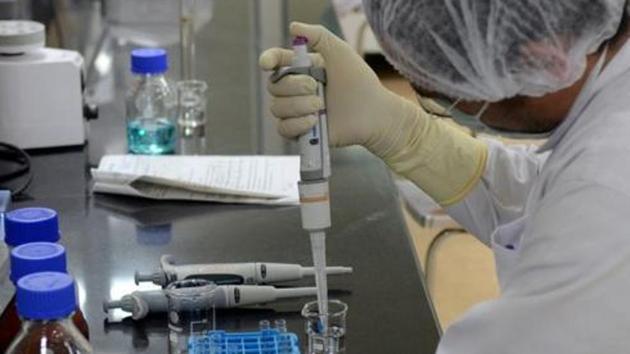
x: 189, y: 311
x: 192, y: 99
x: 331, y: 339
x: 191, y: 116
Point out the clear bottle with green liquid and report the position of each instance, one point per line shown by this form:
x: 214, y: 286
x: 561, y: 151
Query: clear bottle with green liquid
x: 151, y: 105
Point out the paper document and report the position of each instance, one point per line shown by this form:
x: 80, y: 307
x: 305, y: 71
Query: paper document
x: 229, y: 179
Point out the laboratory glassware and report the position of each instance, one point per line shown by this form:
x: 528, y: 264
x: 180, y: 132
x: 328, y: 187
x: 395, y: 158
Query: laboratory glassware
x: 37, y: 227
x: 191, y: 116
x: 328, y: 339
x: 46, y: 301
x: 188, y: 311
x: 151, y: 105
x: 281, y: 325
x: 27, y: 259
x: 192, y: 100
x: 22, y: 226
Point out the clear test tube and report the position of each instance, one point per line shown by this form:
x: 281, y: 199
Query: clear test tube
x: 280, y: 325
x: 330, y: 339
x: 264, y: 325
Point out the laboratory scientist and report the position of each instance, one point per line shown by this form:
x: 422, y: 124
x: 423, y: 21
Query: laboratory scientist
x: 558, y: 216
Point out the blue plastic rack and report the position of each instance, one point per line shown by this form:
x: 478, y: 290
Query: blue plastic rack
x: 269, y: 341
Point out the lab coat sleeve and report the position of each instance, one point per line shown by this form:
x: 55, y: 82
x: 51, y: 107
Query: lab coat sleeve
x: 500, y: 195
x: 567, y: 286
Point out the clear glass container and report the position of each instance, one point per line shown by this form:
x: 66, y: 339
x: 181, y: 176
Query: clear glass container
x: 27, y: 259
x: 192, y: 98
x: 46, y: 303
x: 330, y: 339
x: 189, y: 311
x: 151, y: 105
x: 59, y: 336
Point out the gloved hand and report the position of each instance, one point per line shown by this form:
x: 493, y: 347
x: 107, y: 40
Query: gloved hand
x: 443, y: 161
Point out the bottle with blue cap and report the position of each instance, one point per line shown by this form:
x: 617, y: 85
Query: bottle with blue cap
x: 27, y: 259
x: 46, y: 302
x: 151, y: 104
x: 28, y: 225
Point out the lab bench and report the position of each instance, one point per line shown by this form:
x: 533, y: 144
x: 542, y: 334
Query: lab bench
x: 108, y: 238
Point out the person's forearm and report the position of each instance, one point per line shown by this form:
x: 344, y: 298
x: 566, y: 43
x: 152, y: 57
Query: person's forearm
x: 500, y: 195
x: 442, y: 160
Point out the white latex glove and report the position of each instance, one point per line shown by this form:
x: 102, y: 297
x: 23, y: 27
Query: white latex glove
x: 361, y: 111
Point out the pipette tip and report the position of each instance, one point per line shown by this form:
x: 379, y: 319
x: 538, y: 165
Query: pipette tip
x: 329, y: 270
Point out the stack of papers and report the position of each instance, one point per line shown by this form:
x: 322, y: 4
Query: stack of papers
x: 270, y: 180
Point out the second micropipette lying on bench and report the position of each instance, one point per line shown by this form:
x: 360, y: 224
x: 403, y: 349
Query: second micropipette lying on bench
x: 232, y: 273
x: 141, y: 303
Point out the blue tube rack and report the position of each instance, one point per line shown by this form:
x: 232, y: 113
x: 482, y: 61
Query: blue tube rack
x: 269, y: 341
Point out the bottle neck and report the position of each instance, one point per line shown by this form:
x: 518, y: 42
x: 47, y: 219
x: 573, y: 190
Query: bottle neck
x: 150, y: 77
x: 151, y: 80
x: 29, y: 322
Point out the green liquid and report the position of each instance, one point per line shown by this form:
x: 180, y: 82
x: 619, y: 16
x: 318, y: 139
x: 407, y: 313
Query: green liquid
x: 151, y: 136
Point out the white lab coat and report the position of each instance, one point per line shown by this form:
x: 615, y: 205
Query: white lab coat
x: 558, y: 221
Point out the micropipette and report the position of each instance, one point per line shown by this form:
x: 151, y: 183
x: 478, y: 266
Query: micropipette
x: 231, y: 273
x: 141, y: 303
x: 314, y: 172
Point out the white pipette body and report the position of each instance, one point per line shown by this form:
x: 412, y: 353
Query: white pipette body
x: 314, y: 192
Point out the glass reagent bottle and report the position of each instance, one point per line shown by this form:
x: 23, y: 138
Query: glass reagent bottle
x: 46, y: 302
x: 151, y: 105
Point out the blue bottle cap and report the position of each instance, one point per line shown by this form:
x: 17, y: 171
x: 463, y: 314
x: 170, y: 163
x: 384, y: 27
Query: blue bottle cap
x: 46, y: 296
x: 37, y: 257
x: 149, y: 61
x: 30, y: 225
